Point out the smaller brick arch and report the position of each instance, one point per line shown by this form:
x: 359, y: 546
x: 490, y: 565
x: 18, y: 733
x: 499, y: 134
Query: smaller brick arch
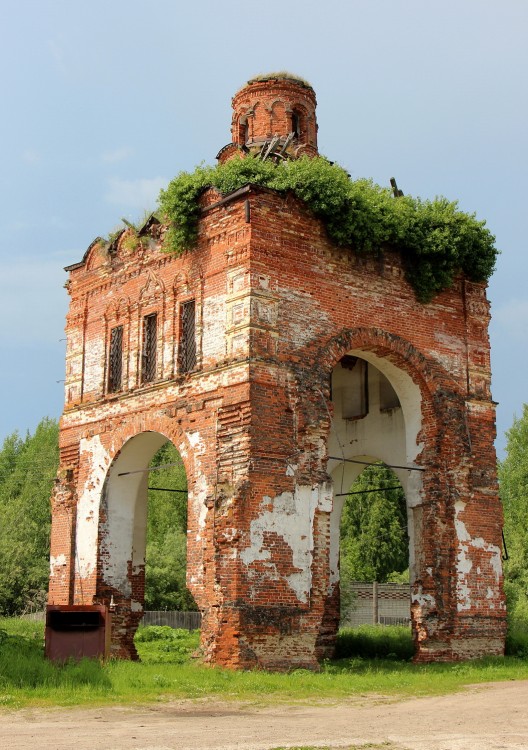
x: 111, y: 518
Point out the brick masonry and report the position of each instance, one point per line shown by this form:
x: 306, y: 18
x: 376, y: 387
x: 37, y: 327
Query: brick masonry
x: 263, y: 407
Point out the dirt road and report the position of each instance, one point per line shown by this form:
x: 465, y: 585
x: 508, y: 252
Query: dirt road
x: 484, y: 717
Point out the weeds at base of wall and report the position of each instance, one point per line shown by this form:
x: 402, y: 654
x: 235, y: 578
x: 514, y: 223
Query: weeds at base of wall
x: 28, y: 679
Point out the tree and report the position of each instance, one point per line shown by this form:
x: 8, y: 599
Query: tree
x: 513, y: 481
x: 27, y: 470
x: 374, y: 540
x: 166, y: 562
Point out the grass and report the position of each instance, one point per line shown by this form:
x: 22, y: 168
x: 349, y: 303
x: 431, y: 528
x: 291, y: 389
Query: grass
x: 167, y: 671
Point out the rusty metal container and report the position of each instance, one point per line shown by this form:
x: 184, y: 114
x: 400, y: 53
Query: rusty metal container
x: 77, y: 632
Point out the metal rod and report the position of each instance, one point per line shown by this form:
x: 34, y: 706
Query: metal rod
x: 372, y: 463
x: 364, y: 492
x: 505, y: 555
x: 166, y: 489
x: 144, y: 471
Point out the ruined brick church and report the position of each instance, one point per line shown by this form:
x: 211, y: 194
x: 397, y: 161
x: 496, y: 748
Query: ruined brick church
x: 278, y: 364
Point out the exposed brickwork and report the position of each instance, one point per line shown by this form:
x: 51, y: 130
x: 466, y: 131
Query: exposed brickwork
x: 277, y: 307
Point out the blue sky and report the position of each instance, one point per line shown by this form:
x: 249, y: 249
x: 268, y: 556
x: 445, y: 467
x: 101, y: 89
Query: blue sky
x: 104, y: 102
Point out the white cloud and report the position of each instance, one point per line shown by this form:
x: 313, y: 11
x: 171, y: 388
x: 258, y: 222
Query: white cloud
x: 117, y: 154
x: 139, y: 194
x: 512, y: 319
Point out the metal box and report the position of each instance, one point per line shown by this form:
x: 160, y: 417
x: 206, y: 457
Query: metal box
x: 77, y: 632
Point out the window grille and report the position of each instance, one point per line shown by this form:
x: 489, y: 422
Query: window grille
x: 148, y: 355
x: 187, y: 358
x: 115, y: 359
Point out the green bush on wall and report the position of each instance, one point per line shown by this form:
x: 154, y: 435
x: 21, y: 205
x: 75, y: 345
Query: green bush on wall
x: 435, y: 238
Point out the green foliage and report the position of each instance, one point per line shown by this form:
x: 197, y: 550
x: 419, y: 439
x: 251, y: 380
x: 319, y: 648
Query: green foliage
x: 513, y: 481
x: 166, y: 562
x: 284, y: 74
x: 435, y: 238
x: 374, y: 541
x: 27, y: 469
x: 375, y: 642
x: 160, y: 643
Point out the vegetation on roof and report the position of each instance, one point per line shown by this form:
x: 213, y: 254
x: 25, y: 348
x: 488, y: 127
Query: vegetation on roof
x: 435, y: 238
x: 281, y: 74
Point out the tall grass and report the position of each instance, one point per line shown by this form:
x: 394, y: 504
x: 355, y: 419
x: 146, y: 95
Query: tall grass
x: 168, y: 670
x: 375, y: 642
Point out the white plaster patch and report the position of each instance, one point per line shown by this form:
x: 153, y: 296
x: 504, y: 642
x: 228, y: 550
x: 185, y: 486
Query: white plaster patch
x: 198, y: 495
x: 291, y: 518
x: 495, y: 560
x: 196, y: 441
x: 198, y: 498
x: 326, y: 498
x: 97, y: 460
x: 460, y: 526
x: 422, y: 599
x: 464, y: 563
x: 464, y: 596
x: 93, y: 367
x: 136, y: 606
x: 213, y: 333
x: 57, y: 562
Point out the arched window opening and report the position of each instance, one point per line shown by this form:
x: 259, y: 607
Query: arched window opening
x: 296, y: 124
x: 374, y: 547
x: 243, y: 130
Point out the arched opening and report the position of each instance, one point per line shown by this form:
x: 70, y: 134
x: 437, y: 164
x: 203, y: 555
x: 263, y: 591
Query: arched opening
x: 376, y: 423
x: 124, y: 528
x: 296, y: 124
x: 243, y: 130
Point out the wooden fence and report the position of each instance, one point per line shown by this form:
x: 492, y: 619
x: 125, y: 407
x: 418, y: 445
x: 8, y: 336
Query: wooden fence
x: 362, y: 603
x: 184, y: 620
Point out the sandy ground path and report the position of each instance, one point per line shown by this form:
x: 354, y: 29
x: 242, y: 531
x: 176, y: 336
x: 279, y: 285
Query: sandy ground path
x: 486, y: 717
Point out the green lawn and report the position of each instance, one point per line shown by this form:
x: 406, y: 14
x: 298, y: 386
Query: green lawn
x: 168, y: 671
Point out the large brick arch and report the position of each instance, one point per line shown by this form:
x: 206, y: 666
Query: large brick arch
x: 442, y: 453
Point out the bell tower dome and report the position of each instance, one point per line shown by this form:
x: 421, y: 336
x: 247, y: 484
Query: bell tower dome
x: 276, y: 107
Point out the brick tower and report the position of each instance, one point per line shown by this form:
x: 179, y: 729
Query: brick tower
x: 274, y: 361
